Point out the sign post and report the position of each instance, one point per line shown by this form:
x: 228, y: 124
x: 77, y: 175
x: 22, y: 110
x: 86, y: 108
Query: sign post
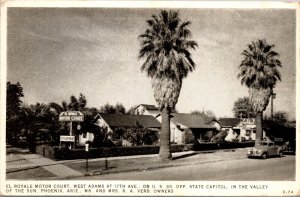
x: 70, y: 128
x: 70, y: 116
x: 87, y: 157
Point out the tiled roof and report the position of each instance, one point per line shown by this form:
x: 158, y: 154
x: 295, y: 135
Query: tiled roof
x: 192, y: 121
x: 128, y: 120
x: 229, y: 122
x: 148, y: 107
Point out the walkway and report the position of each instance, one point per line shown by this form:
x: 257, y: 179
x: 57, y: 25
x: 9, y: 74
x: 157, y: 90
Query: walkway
x: 51, y: 166
x: 18, y: 159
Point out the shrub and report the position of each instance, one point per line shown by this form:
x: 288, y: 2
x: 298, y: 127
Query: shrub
x: 220, y: 137
x: 188, y: 137
x: 150, y: 137
x: 138, y: 135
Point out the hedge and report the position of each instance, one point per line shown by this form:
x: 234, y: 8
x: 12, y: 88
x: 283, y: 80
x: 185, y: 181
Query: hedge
x: 56, y: 153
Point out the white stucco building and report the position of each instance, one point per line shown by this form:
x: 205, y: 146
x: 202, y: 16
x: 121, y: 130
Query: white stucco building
x: 240, y: 129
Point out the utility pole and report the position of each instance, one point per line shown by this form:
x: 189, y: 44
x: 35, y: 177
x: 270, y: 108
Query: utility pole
x: 273, y: 96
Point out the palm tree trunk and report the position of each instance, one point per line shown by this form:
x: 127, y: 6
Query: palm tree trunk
x: 272, y: 103
x: 165, y: 149
x: 259, y: 130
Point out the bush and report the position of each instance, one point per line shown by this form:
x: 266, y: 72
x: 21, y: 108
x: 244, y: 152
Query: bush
x: 150, y: 137
x: 188, y: 137
x: 138, y: 136
x: 220, y: 137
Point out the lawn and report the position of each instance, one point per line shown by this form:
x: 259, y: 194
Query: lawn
x: 36, y: 173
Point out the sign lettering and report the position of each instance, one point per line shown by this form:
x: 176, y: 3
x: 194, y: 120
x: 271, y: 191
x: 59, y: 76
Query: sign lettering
x: 71, y: 116
x: 67, y: 138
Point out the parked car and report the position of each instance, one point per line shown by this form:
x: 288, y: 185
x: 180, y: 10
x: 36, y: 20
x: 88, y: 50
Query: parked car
x: 265, y: 149
x: 290, y: 147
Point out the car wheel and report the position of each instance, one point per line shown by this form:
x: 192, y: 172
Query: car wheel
x: 264, y: 156
x: 280, y: 154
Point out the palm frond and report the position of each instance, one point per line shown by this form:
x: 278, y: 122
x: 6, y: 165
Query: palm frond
x: 165, y: 47
x: 259, y: 66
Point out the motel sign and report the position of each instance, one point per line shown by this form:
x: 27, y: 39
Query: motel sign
x: 67, y: 138
x: 71, y: 116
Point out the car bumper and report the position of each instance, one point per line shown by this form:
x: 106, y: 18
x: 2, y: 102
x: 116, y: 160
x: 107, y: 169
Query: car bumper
x: 254, y: 154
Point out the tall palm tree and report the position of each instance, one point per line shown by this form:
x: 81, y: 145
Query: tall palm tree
x: 259, y: 72
x: 165, y: 45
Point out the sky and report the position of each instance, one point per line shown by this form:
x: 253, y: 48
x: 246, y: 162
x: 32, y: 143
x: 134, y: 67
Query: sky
x: 58, y: 52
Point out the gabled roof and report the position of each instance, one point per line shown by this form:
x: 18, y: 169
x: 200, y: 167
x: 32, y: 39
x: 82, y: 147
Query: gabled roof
x: 128, y: 120
x: 193, y: 121
x: 229, y: 122
x: 148, y: 107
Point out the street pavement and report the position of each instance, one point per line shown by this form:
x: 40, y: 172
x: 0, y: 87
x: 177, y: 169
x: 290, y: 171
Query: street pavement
x: 272, y: 169
x: 230, y: 164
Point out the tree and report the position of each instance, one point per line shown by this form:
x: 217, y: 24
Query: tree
x: 242, y: 108
x: 13, y: 107
x: 259, y: 72
x: 77, y: 104
x: 110, y: 109
x: 131, y: 110
x: 165, y: 47
x: 210, y: 113
x: 74, y: 105
x: 33, y: 118
x: 107, y: 108
x: 58, y: 127
x: 120, y: 108
x: 196, y: 112
x: 207, y: 112
x: 280, y: 117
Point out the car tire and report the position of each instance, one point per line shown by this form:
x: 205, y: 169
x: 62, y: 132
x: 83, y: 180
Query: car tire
x: 280, y: 154
x: 264, y: 156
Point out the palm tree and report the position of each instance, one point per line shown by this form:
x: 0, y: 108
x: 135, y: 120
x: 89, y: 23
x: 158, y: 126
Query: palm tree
x: 33, y: 118
x: 74, y: 105
x: 165, y: 46
x: 57, y: 127
x: 259, y: 72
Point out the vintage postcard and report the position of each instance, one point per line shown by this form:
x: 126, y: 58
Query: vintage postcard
x: 152, y: 98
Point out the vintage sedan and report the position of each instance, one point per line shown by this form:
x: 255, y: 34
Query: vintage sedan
x: 264, y: 150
